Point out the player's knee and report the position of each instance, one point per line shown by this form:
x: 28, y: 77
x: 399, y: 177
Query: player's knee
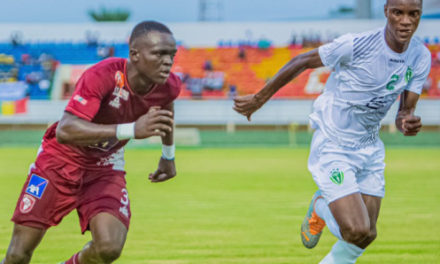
x: 371, y: 236
x: 17, y: 257
x: 108, y: 251
x: 356, y: 234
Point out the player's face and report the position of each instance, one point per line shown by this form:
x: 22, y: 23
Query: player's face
x: 155, y: 56
x: 403, y: 19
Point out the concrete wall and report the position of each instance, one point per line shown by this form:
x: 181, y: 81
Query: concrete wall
x: 219, y: 112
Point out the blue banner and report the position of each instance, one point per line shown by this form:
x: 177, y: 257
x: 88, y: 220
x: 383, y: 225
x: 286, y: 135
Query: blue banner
x: 12, y: 91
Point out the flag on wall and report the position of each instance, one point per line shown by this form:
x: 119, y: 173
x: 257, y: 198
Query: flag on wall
x: 14, y: 107
x: 13, y: 98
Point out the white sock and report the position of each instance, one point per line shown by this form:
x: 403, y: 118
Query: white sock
x: 343, y: 253
x: 323, y: 211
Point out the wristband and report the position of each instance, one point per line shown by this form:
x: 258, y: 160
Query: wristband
x: 125, y: 131
x: 168, y: 152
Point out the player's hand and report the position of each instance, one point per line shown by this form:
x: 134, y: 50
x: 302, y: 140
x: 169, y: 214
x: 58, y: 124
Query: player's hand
x: 154, y: 123
x: 411, y: 125
x: 165, y: 171
x: 247, y: 105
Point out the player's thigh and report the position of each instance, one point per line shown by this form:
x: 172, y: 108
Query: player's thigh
x: 351, y: 214
x: 371, y: 181
x: 25, y: 240
x: 372, y: 203
x: 104, y: 192
x: 108, y: 232
x: 371, y: 178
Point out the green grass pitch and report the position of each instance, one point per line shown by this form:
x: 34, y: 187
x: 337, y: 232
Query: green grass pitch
x: 242, y: 206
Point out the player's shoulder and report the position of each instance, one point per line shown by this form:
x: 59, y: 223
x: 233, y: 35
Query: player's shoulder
x: 105, y: 71
x: 174, y: 80
x: 367, y: 35
x: 361, y: 39
x: 109, y: 66
x: 420, y: 48
x: 169, y: 91
x: 174, y: 83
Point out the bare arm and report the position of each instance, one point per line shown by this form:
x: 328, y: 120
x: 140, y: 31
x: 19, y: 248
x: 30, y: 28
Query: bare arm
x: 76, y: 131
x: 247, y: 105
x: 167, y: 167
x: 288, y: 72
x: 406, y: 122
x: 168, y: 139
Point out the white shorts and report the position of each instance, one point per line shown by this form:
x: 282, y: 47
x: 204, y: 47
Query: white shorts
x: 339, y: 171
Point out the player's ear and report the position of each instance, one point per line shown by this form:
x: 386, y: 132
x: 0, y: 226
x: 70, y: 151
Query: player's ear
x: 134, y: 54
x: 385, y: 9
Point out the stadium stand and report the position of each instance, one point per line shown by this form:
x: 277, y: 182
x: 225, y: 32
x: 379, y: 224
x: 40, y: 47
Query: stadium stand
x: 234, y: 67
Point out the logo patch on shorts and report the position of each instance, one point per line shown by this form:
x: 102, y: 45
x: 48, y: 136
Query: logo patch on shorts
x: 337, y: 176
x: 36, y: 186
x: 27, y: 203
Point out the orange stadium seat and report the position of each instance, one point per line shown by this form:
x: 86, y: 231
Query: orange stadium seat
x: 251, y: 73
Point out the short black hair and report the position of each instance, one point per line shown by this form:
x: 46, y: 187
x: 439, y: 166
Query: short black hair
x: 147, y: 26
x: 421, y: 1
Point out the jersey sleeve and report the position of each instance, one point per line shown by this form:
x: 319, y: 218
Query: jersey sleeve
x: 86, y: 99
x: 421, y: 72
x: 340, y: 51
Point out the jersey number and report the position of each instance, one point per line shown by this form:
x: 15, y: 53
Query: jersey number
x: 394, y: 79
x: 124, y: 199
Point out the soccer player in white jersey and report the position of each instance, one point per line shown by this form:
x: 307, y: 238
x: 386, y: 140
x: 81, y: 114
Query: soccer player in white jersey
x: 370, y: 71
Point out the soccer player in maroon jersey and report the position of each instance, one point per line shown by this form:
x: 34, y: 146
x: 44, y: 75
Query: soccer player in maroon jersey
x: 80, y: 164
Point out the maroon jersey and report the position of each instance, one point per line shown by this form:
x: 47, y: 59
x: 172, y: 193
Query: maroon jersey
x: 103, y: 96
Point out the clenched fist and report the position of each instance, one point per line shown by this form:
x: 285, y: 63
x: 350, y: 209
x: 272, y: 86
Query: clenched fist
x: 409, y: 125
x: 154, y: 123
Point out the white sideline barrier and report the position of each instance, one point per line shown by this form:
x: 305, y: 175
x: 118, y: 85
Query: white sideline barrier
x: 182, y: 137
x: 204, y: 34
x: 220, y: 112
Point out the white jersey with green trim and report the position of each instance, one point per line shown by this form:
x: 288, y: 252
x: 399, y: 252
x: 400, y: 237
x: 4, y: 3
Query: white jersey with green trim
x: 367, y: 78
